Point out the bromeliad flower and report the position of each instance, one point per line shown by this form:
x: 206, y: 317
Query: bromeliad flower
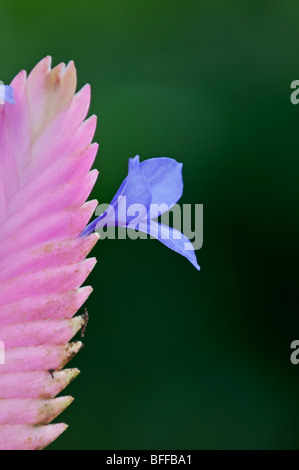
x: 45, y: 159
x: 150, y: 189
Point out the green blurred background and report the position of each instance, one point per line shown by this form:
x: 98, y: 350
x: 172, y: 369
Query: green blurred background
x: 175, y: 358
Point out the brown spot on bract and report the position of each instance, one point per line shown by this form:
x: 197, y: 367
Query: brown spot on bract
x: 86, y: 320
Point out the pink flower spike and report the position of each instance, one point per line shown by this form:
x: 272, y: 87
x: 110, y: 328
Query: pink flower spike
x: 46, y: 153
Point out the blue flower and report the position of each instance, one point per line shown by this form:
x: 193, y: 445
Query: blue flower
x: 6, y: 94
x: 150, y: 184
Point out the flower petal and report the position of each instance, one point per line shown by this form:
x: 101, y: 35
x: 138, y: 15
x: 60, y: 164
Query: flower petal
x: 9, y: 97
x: 155, y: 181
x: 156, y: 184
x: 133, y: 190
x: 164, y: 176
x: 171, y: 238
x: 136, y: 191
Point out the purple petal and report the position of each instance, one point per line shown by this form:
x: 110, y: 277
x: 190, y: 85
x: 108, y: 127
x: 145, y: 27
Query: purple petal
x: 9, y: 94
x: 164, y: 177
x: 136, y: 189
x: 133, y: 190
x: 171, y: 238
x: 155, y: 181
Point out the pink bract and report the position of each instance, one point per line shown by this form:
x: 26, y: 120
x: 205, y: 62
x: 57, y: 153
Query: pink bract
x: 45, y: 159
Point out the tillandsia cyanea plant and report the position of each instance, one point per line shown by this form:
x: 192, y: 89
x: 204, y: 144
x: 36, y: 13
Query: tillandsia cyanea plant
x: 46, y: 153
